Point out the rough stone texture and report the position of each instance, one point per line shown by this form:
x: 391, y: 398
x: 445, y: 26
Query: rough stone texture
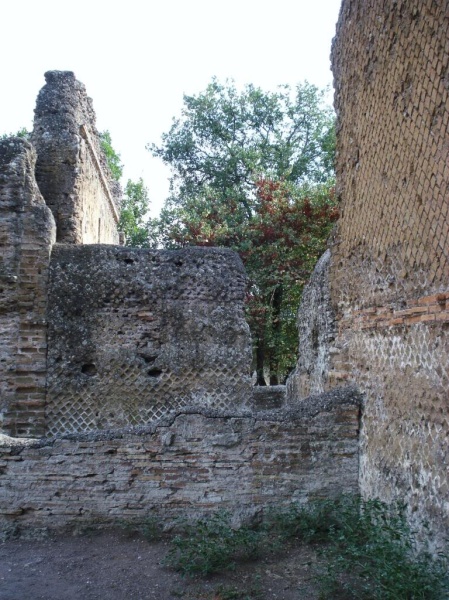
x: 316, y: 328
x: 390, y: 261
x: 268, y: 397
x: 27, y: 231
x: 187, y: 464
x: 71, y: 170
x: 135, y: 333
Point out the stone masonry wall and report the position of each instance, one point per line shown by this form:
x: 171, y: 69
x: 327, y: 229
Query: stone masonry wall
x: 71, y: 170
x: 316, y: 329
x: 136, y: 333
x: 187, y: 464
x: 27, y: 232
x: 390, y: 260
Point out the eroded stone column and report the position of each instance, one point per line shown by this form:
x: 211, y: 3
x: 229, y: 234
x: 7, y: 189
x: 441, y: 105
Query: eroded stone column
x: 27, y: 232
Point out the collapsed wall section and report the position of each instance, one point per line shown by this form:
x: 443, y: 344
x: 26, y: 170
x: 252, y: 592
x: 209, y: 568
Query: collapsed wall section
x: 71, y: 170
x: 390, y: 261
x: 27, y: 232
x: 186, y: 465
x: 135, y: 333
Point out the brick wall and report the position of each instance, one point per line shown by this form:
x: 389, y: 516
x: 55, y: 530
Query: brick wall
x: 27, y: 231
x: 71, y: 170
x: 390, y: 257
x: 188, y: 464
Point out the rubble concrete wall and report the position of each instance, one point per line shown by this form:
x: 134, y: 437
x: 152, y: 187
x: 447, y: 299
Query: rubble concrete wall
x: 71, y: 170
x: 316, y: 329
x: 390, y: 257
x: 27, y: 232
x: 135, y: 333
x: 188, y: 464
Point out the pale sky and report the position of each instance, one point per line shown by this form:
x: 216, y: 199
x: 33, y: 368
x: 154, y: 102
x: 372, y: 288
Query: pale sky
x: 137, y: 59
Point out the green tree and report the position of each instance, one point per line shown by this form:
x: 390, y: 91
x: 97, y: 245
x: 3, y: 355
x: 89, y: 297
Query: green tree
x: 253, y: 171
x: 227, y: 139
x: 139, y: 229
x: 113, y: 159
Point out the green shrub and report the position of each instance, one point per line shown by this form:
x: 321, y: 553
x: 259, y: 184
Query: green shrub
x: 371, y: 555
x: 211, y: 544
x: 367, y: 549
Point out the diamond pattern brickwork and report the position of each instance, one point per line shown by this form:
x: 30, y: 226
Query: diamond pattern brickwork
x: 391, y: 65
x: 390, y: 267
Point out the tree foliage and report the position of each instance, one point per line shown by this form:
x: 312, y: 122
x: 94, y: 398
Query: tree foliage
x: 139, y: 229
x: 226, y: 140
x: 134, y: 221
x: 253, y: 171
x: 113, y: 159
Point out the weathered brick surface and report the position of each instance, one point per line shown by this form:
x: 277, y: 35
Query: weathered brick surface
x: 390, y: 65
x: 71, y: 170
x: 135, y: 333
x: 390, y: 261
x: 188, y: 464
x: 27, y: 231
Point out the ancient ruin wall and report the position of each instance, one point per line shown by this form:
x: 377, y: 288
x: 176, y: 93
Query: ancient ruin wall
x: 71, y: 171
x: 390, y: 266
x: 27, y: 232
x: 185, y: 466
x: 316, y: 328
x: 134, y: 334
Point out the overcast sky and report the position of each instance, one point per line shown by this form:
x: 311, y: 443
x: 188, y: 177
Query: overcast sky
x: 137, y: 59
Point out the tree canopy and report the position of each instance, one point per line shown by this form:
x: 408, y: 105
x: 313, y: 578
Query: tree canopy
x: 140, y: 230
x: 227, y: 139
x: 253, y: 171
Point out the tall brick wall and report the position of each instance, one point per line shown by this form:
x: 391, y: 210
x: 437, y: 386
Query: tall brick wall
x: 134, y: 334
x: 389, y: 277
x: 71, y: 171
x: 27, y: 232
x: 186, y: 465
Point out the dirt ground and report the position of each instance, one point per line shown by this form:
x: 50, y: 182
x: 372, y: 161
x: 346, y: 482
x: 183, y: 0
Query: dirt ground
x: 116, y: 565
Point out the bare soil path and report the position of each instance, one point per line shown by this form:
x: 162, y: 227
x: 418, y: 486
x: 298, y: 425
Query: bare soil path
x: 115, y: 565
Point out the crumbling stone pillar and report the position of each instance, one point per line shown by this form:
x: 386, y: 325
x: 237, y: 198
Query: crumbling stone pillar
x: 71, y: 171
x: 27, y: 232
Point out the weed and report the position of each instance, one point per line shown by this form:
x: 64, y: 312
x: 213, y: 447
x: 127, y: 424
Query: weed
x: 366, y: 547
x: 368, y: 551
x: 211, y: 544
